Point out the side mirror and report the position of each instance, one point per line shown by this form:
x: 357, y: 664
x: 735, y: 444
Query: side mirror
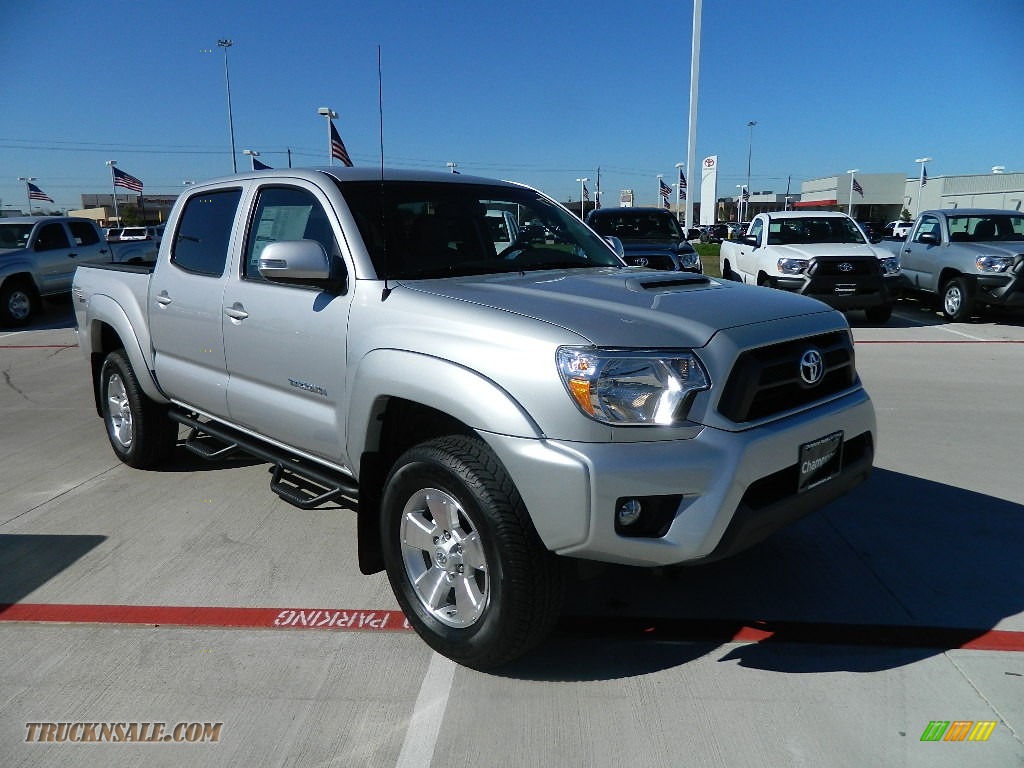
x: 297, y: 262
x: 693, y: 234
x: 928, y: 238
x: 616, y: 245
x: 750, y: 240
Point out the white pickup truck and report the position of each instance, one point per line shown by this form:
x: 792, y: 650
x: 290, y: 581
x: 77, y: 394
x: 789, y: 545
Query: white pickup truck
x: 820, y: 254
x: 490, y: 411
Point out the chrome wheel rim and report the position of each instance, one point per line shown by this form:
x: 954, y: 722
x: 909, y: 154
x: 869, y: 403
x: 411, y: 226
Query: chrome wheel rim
x: 953, y: 300
x: 19, y: 305
x: 444, y: 558
x: 120, y: 412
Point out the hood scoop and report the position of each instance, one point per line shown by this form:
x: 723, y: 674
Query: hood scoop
x: 667, y: 283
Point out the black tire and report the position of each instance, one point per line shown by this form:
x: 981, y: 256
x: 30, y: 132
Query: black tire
x: 956, y: 300
x: 138, y: 428
x: 464, y: 560
x: 879, y: 314
x: 19, y: 303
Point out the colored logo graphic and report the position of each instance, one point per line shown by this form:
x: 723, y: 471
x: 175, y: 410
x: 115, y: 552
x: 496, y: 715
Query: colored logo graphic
x: 958, y: 730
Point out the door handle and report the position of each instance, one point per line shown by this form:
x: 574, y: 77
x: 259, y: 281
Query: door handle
x: 162, y: 298
x: 72, y: 255
x: 236, y: 312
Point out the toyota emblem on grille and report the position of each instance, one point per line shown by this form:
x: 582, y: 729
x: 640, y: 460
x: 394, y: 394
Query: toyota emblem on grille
x: 846, y: 267
x: 811, y: 367
x: 642, y: 262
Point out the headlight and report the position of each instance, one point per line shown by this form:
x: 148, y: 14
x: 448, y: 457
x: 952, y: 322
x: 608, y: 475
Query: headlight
x: 631, y: 387
x: 994, y: 263
x: 689, y: 259
x: 890, y: 266
x: 792, y: 266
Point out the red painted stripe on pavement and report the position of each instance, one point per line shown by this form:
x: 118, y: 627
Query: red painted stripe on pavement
x: 681, y: 630
x: 938, y: 341
x: 205, y: 616
x: 37, y: 346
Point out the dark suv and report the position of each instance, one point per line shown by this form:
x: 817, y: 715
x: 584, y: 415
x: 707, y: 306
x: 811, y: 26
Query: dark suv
x: 650, y: 237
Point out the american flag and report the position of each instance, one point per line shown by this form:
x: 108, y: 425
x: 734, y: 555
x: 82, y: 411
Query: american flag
x: 924, y: 175
x: 126, y: 180
x: 35, y: 193
x: 746, y: 195
x: 338, y: 151
x: 586, y: 192
x: 858, y: 188
x: 258, y: 166
x: 682, y: 185
x: 664, y: 189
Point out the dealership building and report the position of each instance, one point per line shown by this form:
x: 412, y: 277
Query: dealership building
x: 883, y: 196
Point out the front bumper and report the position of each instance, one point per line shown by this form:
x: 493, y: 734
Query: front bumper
x: 736, y: 487
x: 1005, y: 290
x: 861, y: 292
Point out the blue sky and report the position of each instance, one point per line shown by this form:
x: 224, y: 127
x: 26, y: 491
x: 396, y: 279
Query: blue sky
x: 538, y: 92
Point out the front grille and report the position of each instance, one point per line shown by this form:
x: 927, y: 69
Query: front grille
x: 831, y: 266
x: 653, y: 261
x: 766, y: 381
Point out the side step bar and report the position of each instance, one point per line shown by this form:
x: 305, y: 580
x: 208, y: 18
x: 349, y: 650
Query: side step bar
x: 297, y: 481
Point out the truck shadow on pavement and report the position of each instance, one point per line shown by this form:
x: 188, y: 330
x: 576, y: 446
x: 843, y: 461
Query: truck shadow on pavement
x: 898, y: 571
x: 27, y: 561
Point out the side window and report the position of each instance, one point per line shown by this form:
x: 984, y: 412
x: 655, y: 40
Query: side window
x: 282, y: 214
x: 204, y: 232
x: 756, y: 229
x: 927, y: 225
x: 51, y: 237
x: 83, y: 232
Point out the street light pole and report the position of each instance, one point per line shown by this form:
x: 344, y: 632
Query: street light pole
x: 452, y: 167
x: 750, y: 150
x: 920, y: 180
x: 225, y: 44
x: 330, y: 114
x: 113, y: 188
x: 691, y: 142
x: 253, y: 154
x: 28, y: 180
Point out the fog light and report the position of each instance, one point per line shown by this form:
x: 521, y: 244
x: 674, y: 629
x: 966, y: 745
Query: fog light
x: 629, y: 512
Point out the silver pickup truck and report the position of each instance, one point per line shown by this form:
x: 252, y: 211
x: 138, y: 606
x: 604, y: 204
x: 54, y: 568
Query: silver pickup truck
x: 489, y: 414
x: 970, y: 257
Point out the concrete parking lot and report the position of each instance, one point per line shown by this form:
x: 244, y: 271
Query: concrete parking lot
x: 192, y: 607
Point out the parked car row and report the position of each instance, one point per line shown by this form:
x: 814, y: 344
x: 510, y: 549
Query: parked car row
x: 970, y: 259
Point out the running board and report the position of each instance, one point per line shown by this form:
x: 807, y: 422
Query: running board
x: 297, y: 481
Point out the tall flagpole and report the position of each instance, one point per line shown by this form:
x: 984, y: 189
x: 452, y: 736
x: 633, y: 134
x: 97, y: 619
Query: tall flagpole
x: 691, y: 147
x: 113, y: 187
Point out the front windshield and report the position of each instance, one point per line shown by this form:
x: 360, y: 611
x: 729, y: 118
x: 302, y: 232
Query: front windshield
x: 14, y: 235
x: 824, y: 229
x: 986, y: 228
x: 637, y: 225
x: 425, y: 229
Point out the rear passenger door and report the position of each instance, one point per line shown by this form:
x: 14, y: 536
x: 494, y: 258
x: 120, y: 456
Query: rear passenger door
x: 285, y: 345
x: 186, y: 302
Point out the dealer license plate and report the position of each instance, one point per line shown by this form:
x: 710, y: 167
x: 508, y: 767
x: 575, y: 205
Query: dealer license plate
x: 820, y: 460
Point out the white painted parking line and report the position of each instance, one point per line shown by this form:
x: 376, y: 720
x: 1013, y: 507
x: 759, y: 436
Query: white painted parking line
x: 425, y: 724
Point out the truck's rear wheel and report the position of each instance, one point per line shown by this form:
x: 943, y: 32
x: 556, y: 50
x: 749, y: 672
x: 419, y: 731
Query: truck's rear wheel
x: 463, y: 557
x: 139, y: 430
x: 18, y: 303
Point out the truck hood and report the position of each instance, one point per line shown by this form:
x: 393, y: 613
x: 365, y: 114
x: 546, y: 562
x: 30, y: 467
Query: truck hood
x: 994, y: 249
x: 812, y: 250
x: 629, y: 307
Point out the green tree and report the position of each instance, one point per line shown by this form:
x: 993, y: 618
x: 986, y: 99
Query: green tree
x: 130, y: 216
x: 905, y: 215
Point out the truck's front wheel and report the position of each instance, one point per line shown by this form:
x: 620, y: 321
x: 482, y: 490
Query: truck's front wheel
x: 956, y: 300
x: 463, y: 557
x: 18, y: 303
x: 138, y: 428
